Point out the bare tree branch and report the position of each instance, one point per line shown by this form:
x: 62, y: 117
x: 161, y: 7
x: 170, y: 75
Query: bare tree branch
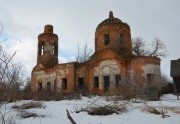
x: 140, y: 48
x: 158, y: 48
x: 83, y: 53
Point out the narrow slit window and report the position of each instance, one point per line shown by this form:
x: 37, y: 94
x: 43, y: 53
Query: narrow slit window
x: 81, y: 83
x: 149, y: 79
x: 53, y: 50
x: 106, y: 39
x: 106, y: 83
x: 42, y: 48
x: 96, y: 82
x: 121, y: 37
x: 118, y: 80
x: 39, y: 86
x: 64, y: 83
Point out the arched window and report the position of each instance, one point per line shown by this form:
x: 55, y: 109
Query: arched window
x: 42, y: 48
x: 106, y: 39
x: 53, y: 49
x: 39, y: 87
x: 121, y: 37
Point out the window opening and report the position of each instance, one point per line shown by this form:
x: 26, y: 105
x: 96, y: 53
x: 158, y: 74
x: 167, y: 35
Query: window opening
x: 96, y: 82
x: 53, y: 50
x: 64, y: 83
x: 106, y: 83
x: 39, y: 86
x: 149, y: 79
x: 121, y: 37
x: 118, y: 79
x: 106, y: 39
x: 42, y: 48
x: 81, y: 83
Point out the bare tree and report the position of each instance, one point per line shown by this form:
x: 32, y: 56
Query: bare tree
x: 138, y: 46
x: 83, y: 53
x: 159, y: 49
x: 10, y: 79
x: 156, y: 49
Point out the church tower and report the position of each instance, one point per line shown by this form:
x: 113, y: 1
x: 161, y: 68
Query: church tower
x: 47, y: 48
x: 113, y: 34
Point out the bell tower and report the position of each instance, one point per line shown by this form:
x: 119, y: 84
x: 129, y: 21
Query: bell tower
x: 47, y: 54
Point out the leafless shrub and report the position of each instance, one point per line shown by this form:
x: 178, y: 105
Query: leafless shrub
x: 127, y: 92
x: 26, y: 114
x: 161, y: 111
x: 10, y: 79
x: 83, y: 53
x: 152, y: 110
x: 103, y: 109
x: 43, y: 95
x: 29, y: 105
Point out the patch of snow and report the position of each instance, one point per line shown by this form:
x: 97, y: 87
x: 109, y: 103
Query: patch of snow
x: 55, y: 112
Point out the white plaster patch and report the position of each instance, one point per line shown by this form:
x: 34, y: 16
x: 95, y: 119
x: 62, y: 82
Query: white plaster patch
x: 151, y: 69
x: 106, y: 68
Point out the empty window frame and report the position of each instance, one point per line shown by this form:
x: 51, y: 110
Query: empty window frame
x: 42, y: 48
x: 118, y: 79
x: 64, y: 83
x: 81, y: 83
x: 106, y: 83
x: 96, y: 82
x: 53, y: 51
x: 39, y: 87
x: 121, y: 38
x: 149, y: 78
x: 106, y: 39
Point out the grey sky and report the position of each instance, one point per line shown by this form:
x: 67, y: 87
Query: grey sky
x: 76, y: 20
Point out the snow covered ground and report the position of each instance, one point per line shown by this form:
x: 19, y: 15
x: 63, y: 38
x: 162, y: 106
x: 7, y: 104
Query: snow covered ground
x: 55, y: 112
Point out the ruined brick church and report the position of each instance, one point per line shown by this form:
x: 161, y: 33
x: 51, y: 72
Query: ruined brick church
x: 111, y: 67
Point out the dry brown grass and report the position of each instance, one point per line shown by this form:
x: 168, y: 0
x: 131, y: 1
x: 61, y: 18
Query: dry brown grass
x: 173, y: 109
x: 103, y: 109
x: 29, y: 105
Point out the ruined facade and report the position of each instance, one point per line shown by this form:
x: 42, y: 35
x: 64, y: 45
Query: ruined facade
x: 111, y: 67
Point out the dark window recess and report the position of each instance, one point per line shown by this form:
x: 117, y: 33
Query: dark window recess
x: 96, y: 82
x: 48, y: 86
x: 118, y: 80
x: 64, y: 83
x: 121, y: 37
x: 39, y: 86
x: 42, y: 48
x: 106, y: 83
x: 149, y: 78
x: 106, y: 39
x: 81, y: 83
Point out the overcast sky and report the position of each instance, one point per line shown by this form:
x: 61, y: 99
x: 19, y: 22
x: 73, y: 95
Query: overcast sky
x: 75, y: 22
